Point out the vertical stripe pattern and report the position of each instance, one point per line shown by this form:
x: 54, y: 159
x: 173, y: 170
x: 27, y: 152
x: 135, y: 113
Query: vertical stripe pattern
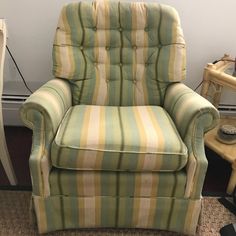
x: 94, y: 137
x: 102, y: 45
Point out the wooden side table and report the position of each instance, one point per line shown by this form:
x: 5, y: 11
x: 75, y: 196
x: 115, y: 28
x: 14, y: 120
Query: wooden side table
x: 227, y: 152
x: 216, y: 76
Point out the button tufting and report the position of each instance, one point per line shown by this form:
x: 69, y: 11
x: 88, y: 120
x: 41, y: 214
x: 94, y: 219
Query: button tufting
x: 146, y: 64
x: 94, y: 28
x: 107, y: 80
x: 81, y: 48
x: 135, y: 81
x: 120, y: 64
x: 134, y: 47
x: 146, y: 29
x: 107, y: 48
x: 95, y: 64
x: 120, y: 29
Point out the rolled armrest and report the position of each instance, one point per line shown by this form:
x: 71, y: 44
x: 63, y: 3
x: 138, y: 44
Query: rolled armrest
x: 184, y: 106
x: 50, y: 103
x: 193, y: 115
x: 42, y: 112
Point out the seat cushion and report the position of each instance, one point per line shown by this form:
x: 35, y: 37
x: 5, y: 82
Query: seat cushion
x: 135, y: 138
x: 117, y: 183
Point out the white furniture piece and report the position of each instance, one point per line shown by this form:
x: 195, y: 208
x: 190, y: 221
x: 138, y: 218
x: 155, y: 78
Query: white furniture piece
x: 4, y: 155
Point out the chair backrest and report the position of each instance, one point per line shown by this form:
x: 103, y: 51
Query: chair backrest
x: 119, y: 53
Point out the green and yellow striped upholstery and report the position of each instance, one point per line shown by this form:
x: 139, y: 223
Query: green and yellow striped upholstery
x: 166, y: 213
x: 104, y: 183
x: 117, y: 139
x: 119, y: 53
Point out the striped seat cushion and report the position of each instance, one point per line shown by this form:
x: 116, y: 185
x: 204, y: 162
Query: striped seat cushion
x: 117, y: 183
x: 136, y: 138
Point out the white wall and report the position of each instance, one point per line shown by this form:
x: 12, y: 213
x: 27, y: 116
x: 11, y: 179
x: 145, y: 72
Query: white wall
x: 208, y: 27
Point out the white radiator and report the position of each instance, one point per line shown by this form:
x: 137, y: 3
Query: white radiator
x: 10, y: 108
x: 226, y: 109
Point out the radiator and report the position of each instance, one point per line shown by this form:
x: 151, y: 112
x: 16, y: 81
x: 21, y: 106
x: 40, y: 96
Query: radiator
x: 10, y: 109
x: 226, y: 109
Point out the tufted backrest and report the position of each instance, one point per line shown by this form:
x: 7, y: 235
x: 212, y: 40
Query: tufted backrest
x: 119, y: 53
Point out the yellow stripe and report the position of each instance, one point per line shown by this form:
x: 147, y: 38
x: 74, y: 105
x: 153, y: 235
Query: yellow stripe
x: 89, y: 211
x: 152, y: 212
x: 101, y: 13
x: 98, y: 211
x: 102, y: 135
x: 142, y: 137
x: 84, y: 135
x: 161, y: 139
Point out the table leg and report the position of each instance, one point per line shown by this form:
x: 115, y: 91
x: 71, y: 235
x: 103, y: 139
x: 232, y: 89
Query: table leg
x: 232, y: 180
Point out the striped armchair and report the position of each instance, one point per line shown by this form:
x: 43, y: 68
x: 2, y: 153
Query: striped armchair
x: 117, y: 138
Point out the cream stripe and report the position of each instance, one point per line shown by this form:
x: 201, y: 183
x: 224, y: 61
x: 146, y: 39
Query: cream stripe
x: 140, y: 13
x: 192, y: 215
x: 140, y: 23
x: 139, y: 90
x: 88, y: 183
x: 40, y: 213
x: 149, y: 161
x: 191, y: 169
x: 93, y: 135
x: 174, y: 90
x: 176, y: 66
x: 64, y: 57
x: 143, y: 213
x: 146, y: 184
x: 89, y: 211
x: 53, y: 102
x: 101, y: 86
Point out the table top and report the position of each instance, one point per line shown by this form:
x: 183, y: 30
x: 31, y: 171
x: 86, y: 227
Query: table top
x: 226, y: 151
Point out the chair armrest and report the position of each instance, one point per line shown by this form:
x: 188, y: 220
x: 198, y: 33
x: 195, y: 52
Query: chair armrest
x: 42, y: 112
x: 193, y: 115
x: 184, y: 106
x: 50, y: 102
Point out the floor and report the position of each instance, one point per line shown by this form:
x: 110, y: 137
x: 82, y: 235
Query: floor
x: 19, y: 145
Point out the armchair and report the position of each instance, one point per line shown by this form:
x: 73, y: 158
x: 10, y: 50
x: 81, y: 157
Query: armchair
x: 117, y: 138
